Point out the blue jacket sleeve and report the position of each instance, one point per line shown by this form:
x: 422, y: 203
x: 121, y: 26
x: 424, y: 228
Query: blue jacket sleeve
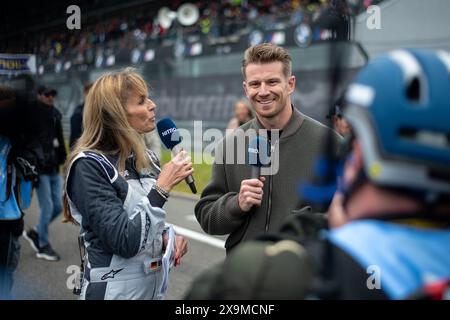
x: 124, y: 221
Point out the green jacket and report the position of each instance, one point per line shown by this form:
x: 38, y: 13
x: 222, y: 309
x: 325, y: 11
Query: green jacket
x: 218, y: 212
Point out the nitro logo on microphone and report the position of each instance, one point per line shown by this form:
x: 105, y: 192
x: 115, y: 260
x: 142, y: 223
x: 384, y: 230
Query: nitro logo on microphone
x: 168, y: 131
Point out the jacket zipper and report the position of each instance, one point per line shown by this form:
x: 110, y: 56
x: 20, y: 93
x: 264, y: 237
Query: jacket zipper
x: 269, y: 206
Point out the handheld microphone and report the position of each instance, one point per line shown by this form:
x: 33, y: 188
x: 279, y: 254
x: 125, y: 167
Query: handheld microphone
x: 258, y: 155
x: 170, y: 137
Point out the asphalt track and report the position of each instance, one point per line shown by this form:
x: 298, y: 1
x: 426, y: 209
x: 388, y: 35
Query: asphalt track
x: 37, y: 279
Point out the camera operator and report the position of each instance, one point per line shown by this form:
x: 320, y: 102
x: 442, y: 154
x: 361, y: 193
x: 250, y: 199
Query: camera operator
x: 19, y: 157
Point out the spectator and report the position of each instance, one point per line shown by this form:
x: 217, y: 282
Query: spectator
x: 242, y: 114
x: 17, y: 171
x: 76, y: 120
x: 339, y: 123
x: 49, y: 189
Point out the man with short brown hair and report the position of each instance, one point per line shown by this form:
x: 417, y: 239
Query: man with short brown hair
x: 242, y: 207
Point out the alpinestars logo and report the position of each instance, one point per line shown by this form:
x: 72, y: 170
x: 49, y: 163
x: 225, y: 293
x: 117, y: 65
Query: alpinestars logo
x: 111, y: 274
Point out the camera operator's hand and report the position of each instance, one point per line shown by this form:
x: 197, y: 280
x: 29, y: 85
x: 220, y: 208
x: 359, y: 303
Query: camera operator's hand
x: 175, y: 171
x: 251, y: 193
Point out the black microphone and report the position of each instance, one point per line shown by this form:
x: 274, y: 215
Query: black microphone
x: 258, y: 155
x: 170, y: 137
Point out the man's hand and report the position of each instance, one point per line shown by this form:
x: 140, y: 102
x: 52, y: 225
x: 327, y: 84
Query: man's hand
x: 336, y: 213
x: 251, y: 193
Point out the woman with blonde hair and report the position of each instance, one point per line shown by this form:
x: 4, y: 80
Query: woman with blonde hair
x: 115, y: 191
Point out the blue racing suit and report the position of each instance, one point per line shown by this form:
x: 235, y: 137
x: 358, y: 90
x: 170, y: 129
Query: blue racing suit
x: 122, y: 222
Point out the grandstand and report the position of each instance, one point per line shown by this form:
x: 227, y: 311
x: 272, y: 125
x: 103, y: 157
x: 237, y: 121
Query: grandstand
x: 193, y: 71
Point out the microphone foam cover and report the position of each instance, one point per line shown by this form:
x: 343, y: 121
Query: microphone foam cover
x: 258, y: 152
x: 168, y: 133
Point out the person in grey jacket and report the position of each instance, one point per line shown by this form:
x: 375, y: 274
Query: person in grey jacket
x: 115, y: 190
x: 233, y: 203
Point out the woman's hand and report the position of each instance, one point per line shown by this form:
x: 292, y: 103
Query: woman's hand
x: 180, y: 249
x: 175, y: 171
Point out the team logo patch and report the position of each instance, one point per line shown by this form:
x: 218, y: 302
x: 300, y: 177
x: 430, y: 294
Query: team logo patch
x: 111, y: 274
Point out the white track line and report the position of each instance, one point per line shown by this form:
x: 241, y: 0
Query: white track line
x: 191, y: 218
x: 200, y: 237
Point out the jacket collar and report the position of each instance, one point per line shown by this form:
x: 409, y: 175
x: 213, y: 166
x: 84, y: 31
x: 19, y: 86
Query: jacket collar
x: 294, y: 123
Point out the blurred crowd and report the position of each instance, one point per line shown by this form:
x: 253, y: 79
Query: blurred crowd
x: 219, y: 22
